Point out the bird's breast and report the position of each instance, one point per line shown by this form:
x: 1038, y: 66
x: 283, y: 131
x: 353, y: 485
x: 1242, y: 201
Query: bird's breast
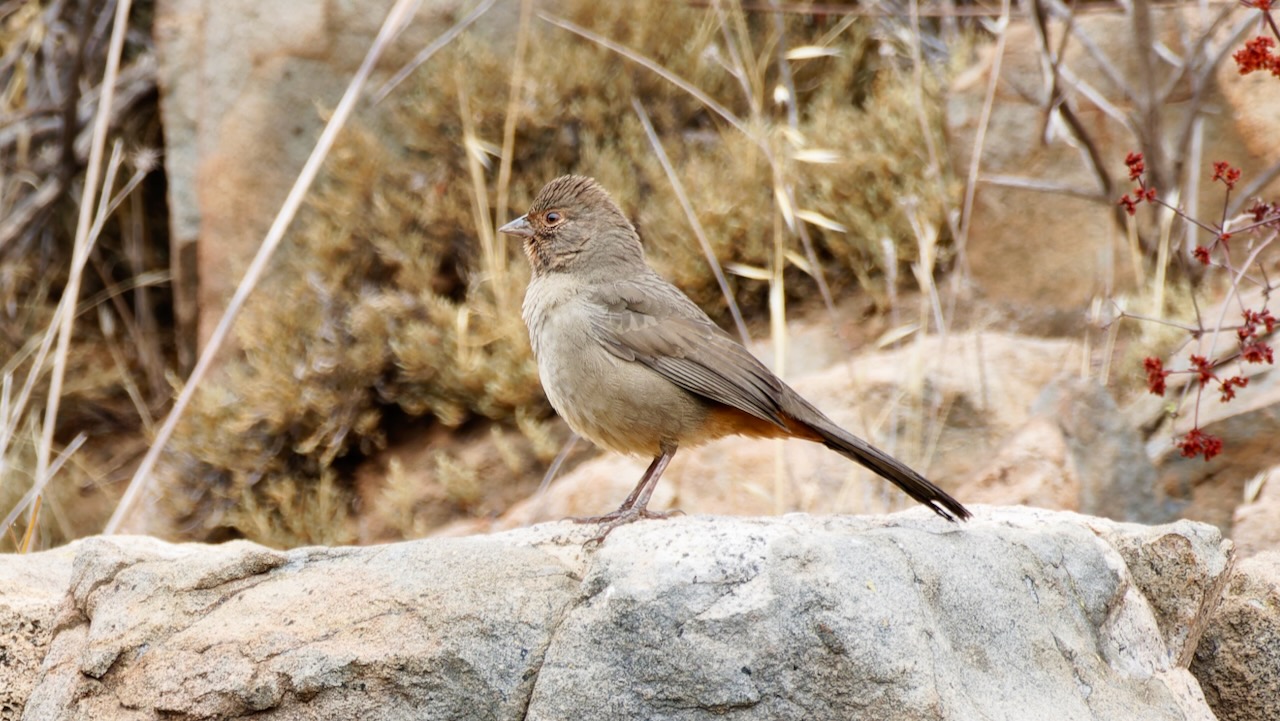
x: 621, y: 405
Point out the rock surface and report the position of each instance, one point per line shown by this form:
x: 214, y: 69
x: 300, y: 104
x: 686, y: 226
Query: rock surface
x: 1076, y: 452
x: 1238, y: 659
x: 1255, y: 525
x: 1017, y: 614
x: 31, y: 591
x: 245, y: 88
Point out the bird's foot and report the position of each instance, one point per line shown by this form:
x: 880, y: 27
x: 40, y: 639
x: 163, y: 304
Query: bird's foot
x: 625, y: 516
x: 622, y: 517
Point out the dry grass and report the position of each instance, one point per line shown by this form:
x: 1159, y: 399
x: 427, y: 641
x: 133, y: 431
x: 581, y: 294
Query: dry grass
x: 85, y: 354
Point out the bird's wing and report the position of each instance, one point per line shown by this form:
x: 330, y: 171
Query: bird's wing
x: 655, y: 324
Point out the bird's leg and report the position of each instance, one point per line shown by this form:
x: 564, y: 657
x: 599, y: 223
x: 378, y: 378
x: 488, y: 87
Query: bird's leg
x: 644, y: 482
x: 639, y: 495
x: 638, y: 501
x: 635, y: 506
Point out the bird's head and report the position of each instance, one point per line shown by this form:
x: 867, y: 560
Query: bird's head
x: 573, y: 223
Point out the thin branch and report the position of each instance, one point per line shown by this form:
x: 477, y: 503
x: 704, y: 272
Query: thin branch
x: 1159, y: 321
x: 1201, y: 82
x: 1104, y: 62
x: 1057, y: 101
x: 1041, y: 186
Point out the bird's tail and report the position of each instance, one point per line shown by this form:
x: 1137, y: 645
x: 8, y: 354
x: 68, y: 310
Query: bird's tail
x: 889, y: 468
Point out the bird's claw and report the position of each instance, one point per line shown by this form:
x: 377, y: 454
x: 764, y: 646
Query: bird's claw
x: 622, y: 517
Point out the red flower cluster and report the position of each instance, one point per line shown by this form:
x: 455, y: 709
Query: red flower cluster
x: 1135, y: 164
x: 1263, y: 5
x: 1263, y: 212
x: 1202, y: 254
x: 1256, y: 56
x: 1229, y: 385
x: 1136, y: 168
x: 1253, y: 318
x: 1155, y: 375
x: 1203, y: 369
x: 1140, y: 194
x: 1253, y: 350
x: 1227, y: 174
x: 1197, y: 443
x: 1257, y: 352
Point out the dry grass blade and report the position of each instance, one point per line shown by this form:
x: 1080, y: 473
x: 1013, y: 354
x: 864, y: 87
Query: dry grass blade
x: 748, y: 271
x: 693, y: 220
x: 513, y: 111
x: 649, y: 64
x: 108, y: 324
x: 984, y: 122
x: 820, y: 220
x: 553, y: 470
x: 778, y: 305
x: 434, y: 47
x: 397, y: 18
x: 927, y: 242
x: 785, y: 206
x: 784, y: 188
x: 84, y: 237
x: 32, y: 497
x: 817, y: 156
x: 493, y: 249
x: 1039, y: 185
x: 808, y: 52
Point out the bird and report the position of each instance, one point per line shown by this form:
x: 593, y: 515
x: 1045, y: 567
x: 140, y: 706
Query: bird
x: 635, y: 366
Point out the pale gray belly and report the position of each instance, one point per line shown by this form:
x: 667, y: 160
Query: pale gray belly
x: 618, y: 404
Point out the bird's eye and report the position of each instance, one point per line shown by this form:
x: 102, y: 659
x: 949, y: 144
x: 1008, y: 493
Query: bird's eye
x: 554, y: 218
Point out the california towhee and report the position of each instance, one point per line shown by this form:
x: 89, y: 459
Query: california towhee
x: 633, y: 365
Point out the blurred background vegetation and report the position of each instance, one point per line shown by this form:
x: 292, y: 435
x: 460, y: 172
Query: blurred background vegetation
x: 393, y: 307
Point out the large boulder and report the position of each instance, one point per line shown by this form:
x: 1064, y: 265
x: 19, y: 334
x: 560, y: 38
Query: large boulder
x: 1019, y: 613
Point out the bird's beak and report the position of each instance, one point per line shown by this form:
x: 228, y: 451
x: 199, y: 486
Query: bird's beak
x: 520, y: 226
